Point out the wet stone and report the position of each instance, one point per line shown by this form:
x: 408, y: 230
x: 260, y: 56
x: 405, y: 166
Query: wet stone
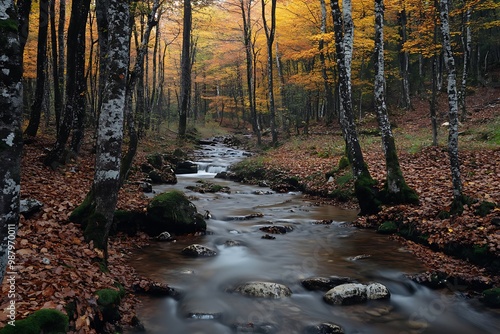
x: 197, y: 250
x: 324, y: 328
x: 346, y: 294
x: 265, y: 328
x: 277, y: 229
x: 324, y: 283
x: 263, y: 290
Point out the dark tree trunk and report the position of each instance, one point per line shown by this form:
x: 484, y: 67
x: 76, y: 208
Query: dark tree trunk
x: 185, y: 69
x: 41, y: 59
x: 58, y: 102
x: 23, y: 14
x: 404, y: 59
x: 75, y: 84
x: 270, y: 30
x: 330, y: 102
x: 11, y: 108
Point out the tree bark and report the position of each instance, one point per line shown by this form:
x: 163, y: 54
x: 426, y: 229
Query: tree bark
x: 404, y: 59
x: 364, y: 185
x: 466, y: 43
x: 11, y: 107
x: 458, y: 198
x: 41, y: 59
x: 396, y: 190
x: 97, y: 210
x: 58, y: 101
x: 185, y: 69
x: 74, y: 109
x: 270, y: 30
x: 330, y: 101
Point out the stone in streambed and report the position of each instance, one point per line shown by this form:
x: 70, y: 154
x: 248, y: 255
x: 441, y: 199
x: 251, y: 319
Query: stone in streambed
x: 324, y: 328
x: 377, y: 291
x: 196, y: 250
x: 263, y: 290
x: 324, y: 283
x: 346, y: 294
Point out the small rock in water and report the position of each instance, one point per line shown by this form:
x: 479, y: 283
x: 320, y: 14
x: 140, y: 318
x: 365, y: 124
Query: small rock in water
x: 346, y: 294
x: 264, y: 290
x: 164, y: 236
x: 377, y: 291
x: 196, y: 250
x: 324, y: 328
x: 264, y: 328
x: 358, y: 257
x: 276, y: 229
x: 232, y: 243
x: 324, y: 283
x: 269, y: 237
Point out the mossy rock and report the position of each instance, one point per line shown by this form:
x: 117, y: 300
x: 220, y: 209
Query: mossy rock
x: 173, y: 212
x: 155, y: 160
x: 108, y: 302
x: 343, y: 163
x: 388, y: 227
x: 491, y: 297
x: 46, y: 321
x: 367, y: 194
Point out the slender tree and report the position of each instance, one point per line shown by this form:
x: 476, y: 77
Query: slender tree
x: 330, y: 100
x: 364, y: 184
x: 11, y: 107
x: 458, y: 197
x: 396, y: 190
x: 270, y: 30
x: 58, y: 100
x: 185, y: 69
x: 466, y: 45
x: 97, y: 210
x: 41, y: 59
x: 74, y: 109
x: 404, y: 57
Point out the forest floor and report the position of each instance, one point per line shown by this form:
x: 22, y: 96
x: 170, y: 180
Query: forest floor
x: 55, y: 266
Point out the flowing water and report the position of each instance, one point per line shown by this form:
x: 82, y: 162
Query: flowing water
x: 311, y: 249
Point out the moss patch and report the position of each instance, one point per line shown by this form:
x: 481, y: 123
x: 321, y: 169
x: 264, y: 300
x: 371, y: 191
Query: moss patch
x: 491, y: 297
x: 48, y: 321
x: 388, y: 227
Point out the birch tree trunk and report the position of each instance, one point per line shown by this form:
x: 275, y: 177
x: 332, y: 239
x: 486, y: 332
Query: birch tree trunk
x: 458, y: 198
x: 396, y: 190
x: 11, y: 107
x: 364, y: 185
x: 466, y: 43
x: 96, y: 212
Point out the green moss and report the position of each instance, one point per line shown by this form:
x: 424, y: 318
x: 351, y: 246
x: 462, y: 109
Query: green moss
x: 480, y: 250
x: 341, y: 194
x: 443, y: 215
x: 95, y: 230
x: 109, y: 302
x: 367, y: 195
x: 388, y: 227
x: 155, y: 160
x: 344, y: 179
x: 484, y: 208
x: 343, y: 163
x: 491, y: 297
x: 47, y: 321
x: 8, y: 25
x: 81, y: 213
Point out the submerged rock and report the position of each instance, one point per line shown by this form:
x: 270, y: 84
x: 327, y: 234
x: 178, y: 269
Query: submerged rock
x: 324, y: 328
x: 196, y: 250
x: 346, y: 294
x: 277, y: 229
x: 324, y: 283
x: 263, y: 290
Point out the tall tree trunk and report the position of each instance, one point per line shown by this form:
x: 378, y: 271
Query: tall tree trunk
x: 404, y: 59
x: 58, y: 101
x: 75, y: 84
x: 396, y: 190
x: 434, y: 89
x: 185, y: 69
x: 11, y: 108
x: 364, y: 185
x: 23, y: 15
x: 458, y: 198
x: 466, y: 44
x: 279, y: 67
x: 330, y: 100
x: 270, y: 30
x: 96, y: 212
x: 137, y: 72
x: 61, y: 31
x: 41, y: 59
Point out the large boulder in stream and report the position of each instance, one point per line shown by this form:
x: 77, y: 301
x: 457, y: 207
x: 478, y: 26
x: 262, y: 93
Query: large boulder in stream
x: 173, y: 212
x: 355, y: 293
x: 263, y: 290
x: 324, y: 283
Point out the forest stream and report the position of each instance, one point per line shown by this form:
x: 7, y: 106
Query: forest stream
x: 309, y: 249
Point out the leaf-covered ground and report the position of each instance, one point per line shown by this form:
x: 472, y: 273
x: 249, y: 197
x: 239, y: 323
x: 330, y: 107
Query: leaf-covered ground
x: 56, y: 267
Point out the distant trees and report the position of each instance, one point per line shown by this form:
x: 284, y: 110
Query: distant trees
x: 11, y: 106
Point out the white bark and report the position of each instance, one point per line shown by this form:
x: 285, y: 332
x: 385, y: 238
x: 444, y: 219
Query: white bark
x: 452, y: 101
x: 348, y: 40
x: 10, y: 132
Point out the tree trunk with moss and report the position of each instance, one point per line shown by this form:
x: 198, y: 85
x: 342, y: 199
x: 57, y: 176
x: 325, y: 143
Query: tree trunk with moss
x: 96, y: 212
x: 11, y: 108
x: 364, y: 186
x: 396, y: 190
x: 458, y: 197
